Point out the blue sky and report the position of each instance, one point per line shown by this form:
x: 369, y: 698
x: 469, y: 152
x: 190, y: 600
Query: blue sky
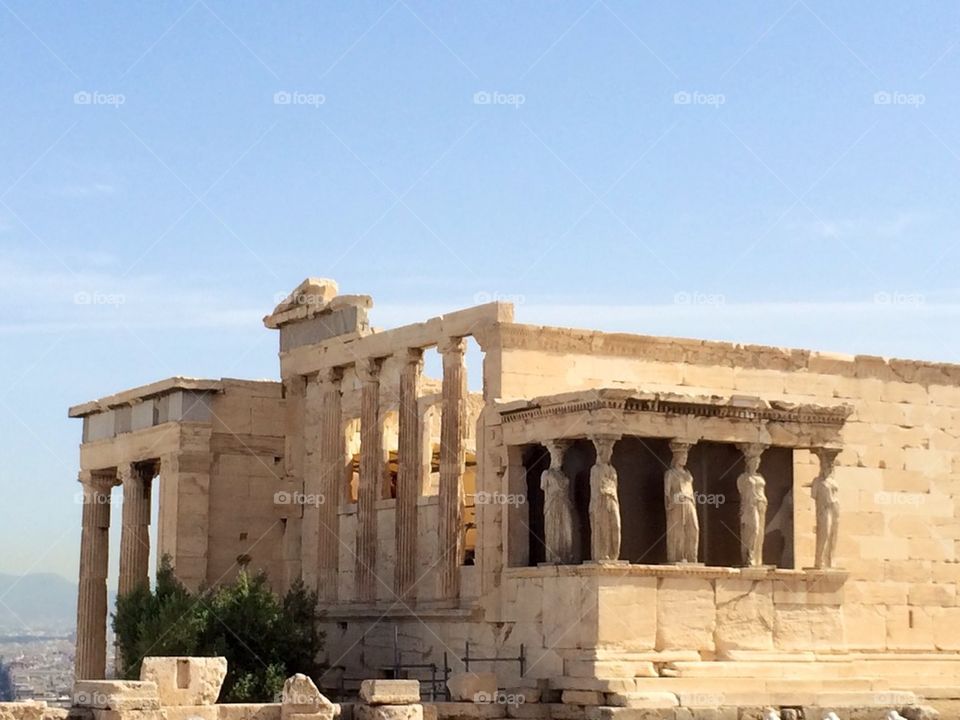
x: 772, y: 171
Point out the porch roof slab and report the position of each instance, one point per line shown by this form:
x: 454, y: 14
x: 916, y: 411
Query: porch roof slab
x: 735, y: 418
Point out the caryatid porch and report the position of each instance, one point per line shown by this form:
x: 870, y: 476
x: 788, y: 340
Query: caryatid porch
x: 744, y: 460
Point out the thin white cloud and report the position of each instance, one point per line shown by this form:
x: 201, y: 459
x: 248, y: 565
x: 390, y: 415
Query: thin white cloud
x: 893, y: 227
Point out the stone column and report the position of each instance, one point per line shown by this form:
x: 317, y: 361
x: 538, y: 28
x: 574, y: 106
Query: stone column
x: 137, y: 481
x: 91, y: 651
x: 452, y: 464
x: 409, y: 472
x: 371, y: 475
x: 331, y: 479
x: 294, y: 452
x: 309, y: 484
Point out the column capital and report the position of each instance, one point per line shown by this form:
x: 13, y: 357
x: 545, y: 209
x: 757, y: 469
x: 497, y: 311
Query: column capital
x: 752, y: 450
x: 452, y: 346
x: 368, y: 369
x: 681, y: 444
x: 827, y: 457
x: 410, y: 355
x: 127, y: 473
x: 604, y: 443
x: 330, y: 375
x: 96, y: 480
x: 557, y: 448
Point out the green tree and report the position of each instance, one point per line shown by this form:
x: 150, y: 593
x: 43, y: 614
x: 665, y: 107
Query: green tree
x: 8, y: 692
x: 265, y: 639
x: 165, y: 621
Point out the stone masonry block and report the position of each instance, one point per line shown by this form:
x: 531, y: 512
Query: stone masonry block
x: 185, y: 680
x: 390, y: 692
x: 388, y: 712
x: 116, y: 695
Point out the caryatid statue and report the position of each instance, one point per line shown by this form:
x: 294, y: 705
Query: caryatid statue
x: 753, y: 505
x: 683, y: 526
x: 825, y: 497
x: 604, y: 503
x: 558, y: 512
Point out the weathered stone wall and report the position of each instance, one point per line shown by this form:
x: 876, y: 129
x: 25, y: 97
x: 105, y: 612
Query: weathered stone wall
x: 898, y: 472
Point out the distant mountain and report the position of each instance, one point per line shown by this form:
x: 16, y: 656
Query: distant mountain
x: 38, y: 602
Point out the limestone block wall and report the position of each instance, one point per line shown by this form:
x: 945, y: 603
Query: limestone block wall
x: 246, y: 470
x: 899, y: 471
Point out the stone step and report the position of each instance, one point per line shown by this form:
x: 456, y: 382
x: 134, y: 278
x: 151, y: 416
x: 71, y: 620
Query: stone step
x: 823, y: 699
x: 921, y: 669
x: 769, y: 669
x: 719, y: 686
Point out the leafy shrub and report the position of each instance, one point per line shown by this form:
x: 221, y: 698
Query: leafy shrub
x: 265, y: 639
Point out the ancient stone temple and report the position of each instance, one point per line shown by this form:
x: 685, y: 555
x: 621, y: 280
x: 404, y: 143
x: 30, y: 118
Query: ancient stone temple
x: 650, y: 520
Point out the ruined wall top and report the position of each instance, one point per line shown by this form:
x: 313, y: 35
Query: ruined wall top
x: 314, y: 313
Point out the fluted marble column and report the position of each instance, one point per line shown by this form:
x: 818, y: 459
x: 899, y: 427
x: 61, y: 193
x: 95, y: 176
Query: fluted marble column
x: 137, y: 482
x: 409, y: 471
x: 371, y: 476
x: 91, y: 651
x: 331, y: 476
x: 452, y: 463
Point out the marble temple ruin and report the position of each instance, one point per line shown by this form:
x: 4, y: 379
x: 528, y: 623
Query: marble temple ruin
x: 621, y: 521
